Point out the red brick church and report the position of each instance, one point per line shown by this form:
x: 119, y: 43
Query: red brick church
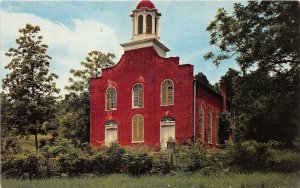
x: 147, y: 97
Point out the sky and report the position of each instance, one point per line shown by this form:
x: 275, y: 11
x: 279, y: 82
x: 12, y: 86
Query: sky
x: 71, y: 29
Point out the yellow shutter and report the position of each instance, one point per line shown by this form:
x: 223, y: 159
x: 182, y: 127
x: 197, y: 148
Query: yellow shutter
x: 141, y: 129
x: 141, y: 97
x: 134, y: 129
x: 170, y: 95
x: 108, y: 101
x: 163, y: 95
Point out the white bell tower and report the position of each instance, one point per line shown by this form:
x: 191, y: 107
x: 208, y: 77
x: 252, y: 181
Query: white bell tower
x: 145, y: 21
x: 145, y: 28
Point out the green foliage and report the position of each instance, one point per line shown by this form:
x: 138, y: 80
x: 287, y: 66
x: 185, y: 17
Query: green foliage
x: 95, y: 62
x: 263, y: 33
x: 136, y: 163
x: 160, y: 164
x: 263, y: 38
x: 224, y: 126
x: 10, y: 145
x: 30, y: 88
x: 189, y: 158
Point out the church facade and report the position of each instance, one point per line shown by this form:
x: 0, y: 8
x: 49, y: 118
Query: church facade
x: 147, y: 97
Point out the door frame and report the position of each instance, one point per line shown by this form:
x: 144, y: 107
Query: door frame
x: 167, y: 123
x: 110, y: 126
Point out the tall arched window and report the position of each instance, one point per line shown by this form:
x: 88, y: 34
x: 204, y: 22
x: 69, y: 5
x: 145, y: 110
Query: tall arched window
x: 209, y: 127
x: 111, y: 98
x: 140, y: 24
x: 167, y: 93
x: 137, y: 128
x: 138, y: 95
x: 149, y: 24
x: 217, y: 128
x: 201, y: 123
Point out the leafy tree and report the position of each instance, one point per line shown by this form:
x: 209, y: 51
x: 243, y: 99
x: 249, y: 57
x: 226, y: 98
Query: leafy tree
x: 263, y: 37
x: 231, y: 78
x: 95, y: 62
x: 202, y: 78
x: 261, y: 34
x: 74, y: 115
x: 224, y: 126
x: 29, y: 87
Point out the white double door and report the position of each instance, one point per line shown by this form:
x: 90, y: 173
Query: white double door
x: 166, y: 131
x: 111, y: 135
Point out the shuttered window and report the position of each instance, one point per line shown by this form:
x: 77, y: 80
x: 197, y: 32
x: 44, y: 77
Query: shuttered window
x: 111, y: 99
x: 138, y: 96
x: 138, y: 128
x: 167, y: 93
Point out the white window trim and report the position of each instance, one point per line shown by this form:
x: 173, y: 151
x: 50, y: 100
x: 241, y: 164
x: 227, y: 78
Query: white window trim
x: 217, y: 128
x: 132, y: 96
x: 173, y: 102
x: 139, y: 141
x: 106, y: 100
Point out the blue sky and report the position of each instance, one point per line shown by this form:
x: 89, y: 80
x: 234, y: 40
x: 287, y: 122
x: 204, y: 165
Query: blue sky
x: 73, y: 28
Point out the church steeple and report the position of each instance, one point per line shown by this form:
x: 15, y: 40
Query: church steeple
x: 145, y: 29
x: 145, y: 21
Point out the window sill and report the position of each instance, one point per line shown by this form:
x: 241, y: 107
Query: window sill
x: 137, y: 142
x: 113, y: 109
x: 136, y: 107
x: 167, y: 105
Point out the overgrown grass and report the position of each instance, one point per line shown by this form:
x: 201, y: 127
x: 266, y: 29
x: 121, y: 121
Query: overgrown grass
x: 289, y: 180
x: 28, y: 144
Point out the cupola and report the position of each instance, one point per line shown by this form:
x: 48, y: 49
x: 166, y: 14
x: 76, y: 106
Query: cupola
x: 145, y: 21
x: 145, y: 28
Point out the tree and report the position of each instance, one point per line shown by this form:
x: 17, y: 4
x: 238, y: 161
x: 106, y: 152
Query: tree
x: 261, y: 34
x: 95, y: 62
x: 74, y: 115
x: 203, y: 79
x: 231, y: 78
x: 263, y: 37
x: 29, y: 87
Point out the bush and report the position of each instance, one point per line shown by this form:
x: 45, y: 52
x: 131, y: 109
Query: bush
x: 189, y: 158
x: 160, y: 164
x: 136, y: 163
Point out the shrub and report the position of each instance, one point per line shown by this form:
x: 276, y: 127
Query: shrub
x: 189, y: 158
x: 160, y: 164
x: 136, y: 163
x: 251, y: 155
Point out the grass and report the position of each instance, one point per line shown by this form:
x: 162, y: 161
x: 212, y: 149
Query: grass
x: 28, y: 144
x: 281, y: 180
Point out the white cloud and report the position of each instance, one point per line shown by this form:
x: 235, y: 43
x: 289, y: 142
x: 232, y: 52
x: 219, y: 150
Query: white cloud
x: 67, y: 47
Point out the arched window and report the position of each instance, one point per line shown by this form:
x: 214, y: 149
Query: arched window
x: 111, y: 98
x: 138, y: 95
x: 149, y: 24
x: 209, y: 127
x: 137, y: 128
x: 201, y: 123
x: 167, y: 93
x: 217, y: 128
x: 140, y: 24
